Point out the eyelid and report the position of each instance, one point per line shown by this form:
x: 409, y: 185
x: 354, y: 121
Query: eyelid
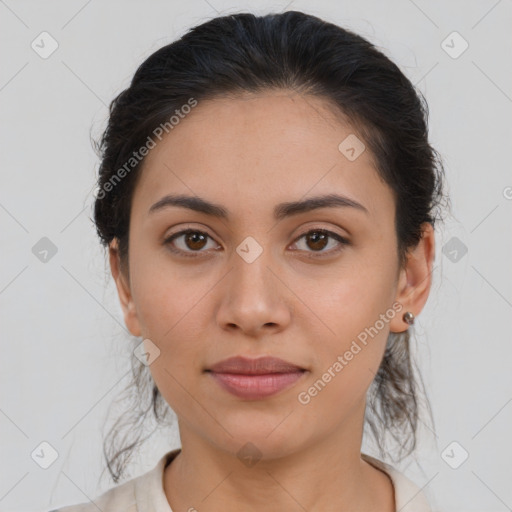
x: 193, y: 254
x: 327, y: 231
x: 342, y: 241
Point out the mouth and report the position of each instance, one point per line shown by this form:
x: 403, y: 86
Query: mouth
x: 255, y: 379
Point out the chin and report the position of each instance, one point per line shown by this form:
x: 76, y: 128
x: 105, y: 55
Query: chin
x: 264, y: 439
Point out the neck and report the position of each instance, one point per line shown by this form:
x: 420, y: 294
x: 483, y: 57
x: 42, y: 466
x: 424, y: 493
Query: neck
x: 327, y: 474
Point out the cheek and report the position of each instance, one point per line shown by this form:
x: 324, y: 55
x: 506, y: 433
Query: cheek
x: 169, y: 311
x: 347, y: 361
x: 163, y: 296
x: 171, y: 306
x: 356, y: 312
x: 357, y: 292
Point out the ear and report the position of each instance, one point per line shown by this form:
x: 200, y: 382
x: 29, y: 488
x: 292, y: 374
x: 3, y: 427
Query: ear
x: 415, y: 279
x: 123, y: 290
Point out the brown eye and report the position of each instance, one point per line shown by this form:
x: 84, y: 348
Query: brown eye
x: 317, y: 240
x: 195, y: 240
x: 190, y: 241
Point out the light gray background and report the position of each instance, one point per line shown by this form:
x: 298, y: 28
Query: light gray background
x: 64, y: 350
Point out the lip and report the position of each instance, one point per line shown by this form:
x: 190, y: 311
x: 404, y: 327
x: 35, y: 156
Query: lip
x: 259, y: 366
x: 255, y: 378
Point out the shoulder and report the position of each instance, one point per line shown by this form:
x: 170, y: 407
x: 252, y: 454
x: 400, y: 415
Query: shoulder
x: 121, y: 497
x: 144, y: 492
x: 408, y: 496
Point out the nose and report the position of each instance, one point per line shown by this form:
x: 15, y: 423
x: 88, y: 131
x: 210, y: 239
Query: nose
x: 254, y: 298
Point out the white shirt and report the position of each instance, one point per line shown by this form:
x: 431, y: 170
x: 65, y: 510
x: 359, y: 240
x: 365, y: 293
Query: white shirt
x: 145, y: 493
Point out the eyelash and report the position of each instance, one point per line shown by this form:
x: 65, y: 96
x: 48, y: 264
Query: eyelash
x: 196, y: 254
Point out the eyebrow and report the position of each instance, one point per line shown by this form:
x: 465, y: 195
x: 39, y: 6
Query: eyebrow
x: 281, y: 210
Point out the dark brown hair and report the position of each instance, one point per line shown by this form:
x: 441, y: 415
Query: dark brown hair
x: 289, y: 51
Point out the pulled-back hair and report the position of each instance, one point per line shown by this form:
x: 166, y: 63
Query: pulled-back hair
x: 287, y: 51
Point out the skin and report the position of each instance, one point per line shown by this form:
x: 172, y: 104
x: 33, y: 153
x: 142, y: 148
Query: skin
x: 248, y: 154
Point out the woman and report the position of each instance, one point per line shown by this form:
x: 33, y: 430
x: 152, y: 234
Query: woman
x: 268, y: 195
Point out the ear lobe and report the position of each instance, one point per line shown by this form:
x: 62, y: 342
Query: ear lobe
x: 415, y: 279
x: 123, y: 290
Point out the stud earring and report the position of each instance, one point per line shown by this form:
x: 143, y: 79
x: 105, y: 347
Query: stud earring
x: 408, y: 318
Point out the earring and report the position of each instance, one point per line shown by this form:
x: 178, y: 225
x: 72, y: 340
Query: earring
x: 408, y: 318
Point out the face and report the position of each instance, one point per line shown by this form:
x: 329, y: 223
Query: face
x: 254, y: 284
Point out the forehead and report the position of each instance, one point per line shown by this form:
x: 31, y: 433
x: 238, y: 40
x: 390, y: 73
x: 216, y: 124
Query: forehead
x: 252, y: 151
